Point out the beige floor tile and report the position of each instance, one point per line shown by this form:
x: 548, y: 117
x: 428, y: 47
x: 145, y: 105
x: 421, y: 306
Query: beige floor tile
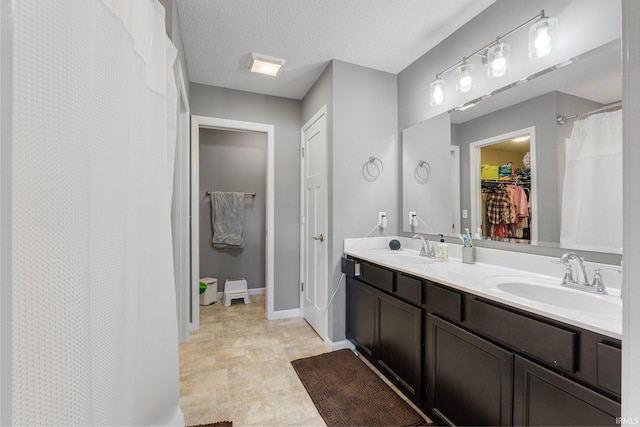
x: 237, y: 367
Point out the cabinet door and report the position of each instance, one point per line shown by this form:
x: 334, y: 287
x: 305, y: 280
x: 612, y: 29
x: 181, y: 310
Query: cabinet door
x: 400, y: 343
x: 469, y: 380
x: 544, y: 398
x: 361, y: 307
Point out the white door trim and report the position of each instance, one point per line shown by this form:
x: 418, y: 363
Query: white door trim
x: 236, y: 125
x: 455, y: 193
x: 180, y: 216
x: 321, y: 112
x: 475, y: 167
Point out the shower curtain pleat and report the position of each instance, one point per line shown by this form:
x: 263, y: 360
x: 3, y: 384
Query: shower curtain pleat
x: 95, y: 338
x: 592, y: 191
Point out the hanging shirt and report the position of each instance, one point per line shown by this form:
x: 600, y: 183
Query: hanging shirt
x: 499, y: 208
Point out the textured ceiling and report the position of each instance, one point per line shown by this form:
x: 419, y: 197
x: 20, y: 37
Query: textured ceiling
x: 387, y: 35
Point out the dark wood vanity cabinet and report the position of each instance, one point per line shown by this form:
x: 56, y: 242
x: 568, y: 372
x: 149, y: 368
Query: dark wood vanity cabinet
x: 361, y: 308
x: 400, y: 342
x: 545, y: 398
x: 386, y: 329
x: 471, y: 361
x: 469, y: 379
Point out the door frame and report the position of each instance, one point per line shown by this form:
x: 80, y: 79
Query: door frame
x: 303, y: 239
x: 455, y: 193
x: 475, y: 169
x: 180, y: 218
x: 206, y: 122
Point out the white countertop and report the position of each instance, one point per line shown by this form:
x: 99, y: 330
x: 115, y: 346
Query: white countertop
x: 597, y: 313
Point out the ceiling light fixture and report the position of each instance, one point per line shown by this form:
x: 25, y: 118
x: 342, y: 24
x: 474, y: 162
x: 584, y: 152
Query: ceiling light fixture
x: 264, y: 64
x: 497, y: 56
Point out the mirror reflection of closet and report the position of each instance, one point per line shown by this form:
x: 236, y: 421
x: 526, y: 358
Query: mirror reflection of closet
x: 502, y: 187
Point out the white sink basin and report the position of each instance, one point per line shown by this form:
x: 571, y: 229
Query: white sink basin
x: 549, y: 292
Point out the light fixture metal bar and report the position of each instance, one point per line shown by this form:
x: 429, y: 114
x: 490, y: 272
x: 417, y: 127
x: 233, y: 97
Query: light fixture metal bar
x: 491, y: 44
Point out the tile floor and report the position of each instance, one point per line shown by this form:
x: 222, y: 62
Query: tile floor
x: 237, y: 368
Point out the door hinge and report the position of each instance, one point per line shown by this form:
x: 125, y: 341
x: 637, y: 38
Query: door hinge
x: 301, y: 286
x: 302, y: 151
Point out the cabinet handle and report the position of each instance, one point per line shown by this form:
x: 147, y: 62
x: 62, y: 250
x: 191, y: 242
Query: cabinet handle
x: 320, y: 237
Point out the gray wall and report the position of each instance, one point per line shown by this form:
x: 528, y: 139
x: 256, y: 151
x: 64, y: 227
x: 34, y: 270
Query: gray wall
x: 234, y: 161
x: 285, y: 114
x: 576, y: 18
x: 172, y: 23
x: 540, y: 113
x: 363, y: 105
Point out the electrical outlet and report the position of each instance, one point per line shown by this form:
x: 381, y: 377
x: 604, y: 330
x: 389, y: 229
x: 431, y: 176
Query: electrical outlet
x: 382, y: 219
x: 465, y: 213
x: 413, y: 219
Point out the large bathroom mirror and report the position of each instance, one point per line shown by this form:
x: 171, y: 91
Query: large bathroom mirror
x: 541, y: 112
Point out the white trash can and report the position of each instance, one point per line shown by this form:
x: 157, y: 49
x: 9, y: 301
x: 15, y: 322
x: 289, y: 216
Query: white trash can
x: 209, y: 296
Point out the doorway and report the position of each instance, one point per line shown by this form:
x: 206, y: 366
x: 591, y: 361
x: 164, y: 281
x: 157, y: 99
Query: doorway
x: 234, y: 161
x: 483, y: 179
x: 198, y: 196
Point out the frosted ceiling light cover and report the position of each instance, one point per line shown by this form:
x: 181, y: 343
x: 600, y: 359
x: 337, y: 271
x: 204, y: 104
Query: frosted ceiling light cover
x: 436, y: 92
x: 498, y: 60
x: 542, y: 37
x: 464, y: 83
x: 263, y: 64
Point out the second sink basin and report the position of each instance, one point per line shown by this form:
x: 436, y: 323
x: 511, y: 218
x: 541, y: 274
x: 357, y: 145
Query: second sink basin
x: 551, y: 293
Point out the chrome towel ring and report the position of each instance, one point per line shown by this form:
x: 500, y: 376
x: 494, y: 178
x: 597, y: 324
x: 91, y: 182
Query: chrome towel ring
x: 422, y: 172
x: 372, y: 168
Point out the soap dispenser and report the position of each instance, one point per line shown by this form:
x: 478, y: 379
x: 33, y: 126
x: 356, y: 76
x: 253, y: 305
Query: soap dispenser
x: 442, y: 250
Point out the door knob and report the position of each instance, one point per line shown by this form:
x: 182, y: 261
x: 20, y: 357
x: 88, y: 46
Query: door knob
x: 320, y: 237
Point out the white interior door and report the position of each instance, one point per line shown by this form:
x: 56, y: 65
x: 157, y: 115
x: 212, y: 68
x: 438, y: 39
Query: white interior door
x: 314, y: 222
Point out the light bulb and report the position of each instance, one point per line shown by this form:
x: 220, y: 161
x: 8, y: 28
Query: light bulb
x: 498, y: 60
x: 436, y: 89
x: 465, y: 80
x: 542, y: 37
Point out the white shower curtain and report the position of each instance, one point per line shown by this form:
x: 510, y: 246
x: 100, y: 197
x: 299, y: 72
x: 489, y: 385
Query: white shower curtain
x: 94, y: 315
x: 592, y: 192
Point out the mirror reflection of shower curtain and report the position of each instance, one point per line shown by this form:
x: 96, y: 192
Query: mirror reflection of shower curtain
x: 592, y: 192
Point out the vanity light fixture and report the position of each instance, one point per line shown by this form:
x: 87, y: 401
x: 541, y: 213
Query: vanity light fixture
x: 436, y: 91
x: 542, y: 36
x: 497, y: 56
x: 464, y: 81
x: 498, y: 59
x: 264, y: 64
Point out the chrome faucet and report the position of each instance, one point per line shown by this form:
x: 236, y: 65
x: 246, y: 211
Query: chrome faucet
x: 568, y: 279
x: 597, y: 286
x: 426, y: 249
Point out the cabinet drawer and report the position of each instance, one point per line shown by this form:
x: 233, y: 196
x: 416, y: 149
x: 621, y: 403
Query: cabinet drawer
x: 609, y: 367
x: 350, y: 267
x: 376, y: 276
x: 409, y: 288
x: 445, y: 302
x: 548, y: 343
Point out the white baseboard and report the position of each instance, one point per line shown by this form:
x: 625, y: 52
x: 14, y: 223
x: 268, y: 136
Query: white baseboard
x: 285, y: 314
x: 338, y: 345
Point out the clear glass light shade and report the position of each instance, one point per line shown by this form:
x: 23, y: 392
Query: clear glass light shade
x: 464, y: 81
x: 542, y: 37
x: 498, y: 60
x: 436, y: 92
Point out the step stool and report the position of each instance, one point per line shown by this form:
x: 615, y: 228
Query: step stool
x: 235, y: 288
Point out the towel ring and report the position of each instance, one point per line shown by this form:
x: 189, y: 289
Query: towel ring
x: 372, y: 168
x: 422, y: 172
